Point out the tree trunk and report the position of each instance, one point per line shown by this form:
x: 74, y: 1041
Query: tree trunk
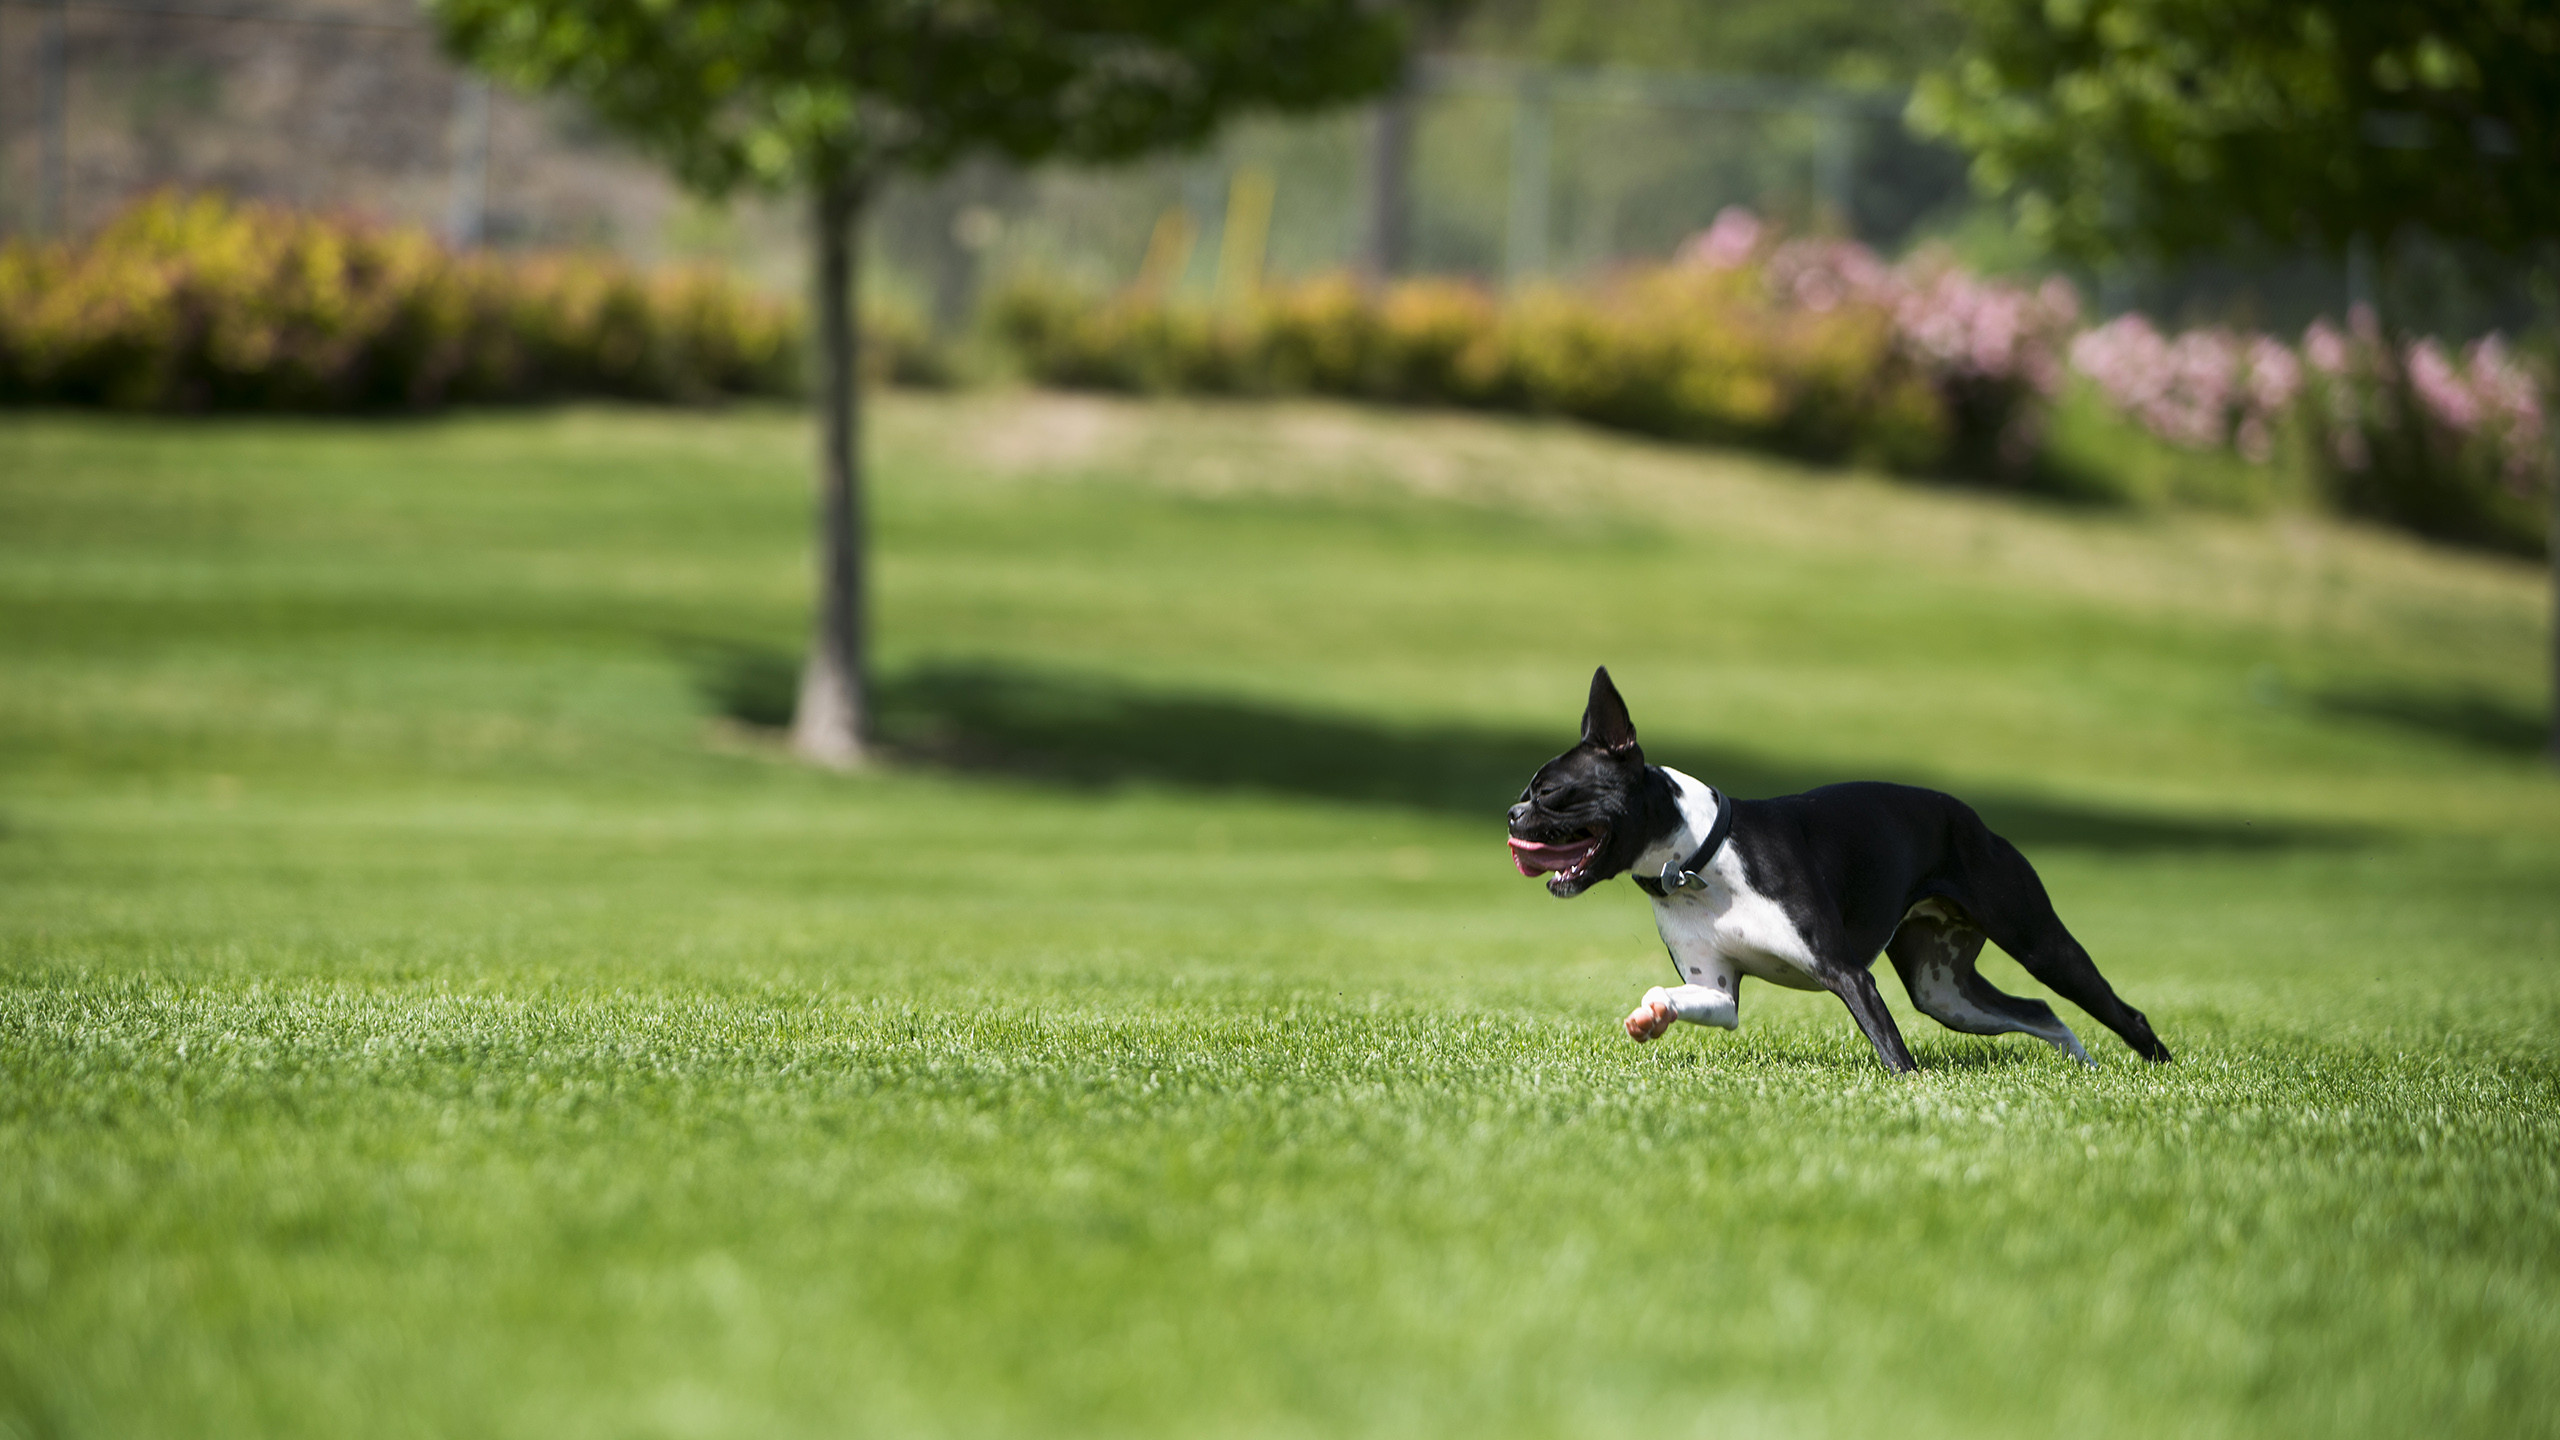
x: 832, y: 722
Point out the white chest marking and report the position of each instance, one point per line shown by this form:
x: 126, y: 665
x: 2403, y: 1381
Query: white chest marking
x: 1728, y: 928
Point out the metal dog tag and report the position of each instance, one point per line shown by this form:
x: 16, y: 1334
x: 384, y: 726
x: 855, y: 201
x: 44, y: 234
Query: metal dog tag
x: 1675, y: 878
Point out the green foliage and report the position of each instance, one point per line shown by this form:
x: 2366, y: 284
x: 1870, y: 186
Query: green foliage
x: 2181, y: 126
x: 831, y: 96
x: 791, y: 92
x: 200, y: 303
x: 1848, y: 42
x: 2093, y: 450
x: 419, y: 1016
x: 1681, y: 352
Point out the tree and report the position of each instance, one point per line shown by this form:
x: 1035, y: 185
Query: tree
x: 1845, y: 42
x: 2167, y: 128
x: 2176, y: 127
x: 831, y: 98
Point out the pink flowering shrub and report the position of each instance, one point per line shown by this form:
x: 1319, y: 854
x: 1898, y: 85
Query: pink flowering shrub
x: 2445, y: 445
x: 1991, y: 351
x: 200, y: 303
x: 1732, y: 241
x: 1995, y: 353
x: 2206, y: 389
x: 1818, y: 347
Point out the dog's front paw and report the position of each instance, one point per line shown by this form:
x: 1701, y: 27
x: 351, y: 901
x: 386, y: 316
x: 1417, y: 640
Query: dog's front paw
x: 1648, y: 1020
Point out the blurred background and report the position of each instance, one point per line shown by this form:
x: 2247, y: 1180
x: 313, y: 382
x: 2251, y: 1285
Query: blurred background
x: 1577, y: 152
x: 1532, y: 141
x: 1534, y: 151
x: 438, y: 996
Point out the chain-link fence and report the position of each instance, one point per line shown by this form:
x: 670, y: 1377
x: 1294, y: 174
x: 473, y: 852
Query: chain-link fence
x: 1499, y: 171
x: 342, y: 104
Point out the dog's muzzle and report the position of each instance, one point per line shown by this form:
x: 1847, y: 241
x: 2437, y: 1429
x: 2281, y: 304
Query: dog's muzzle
x: 1562, y: 857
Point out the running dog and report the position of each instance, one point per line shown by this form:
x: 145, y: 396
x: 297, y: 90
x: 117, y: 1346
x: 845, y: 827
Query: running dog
x: 1804, y: 890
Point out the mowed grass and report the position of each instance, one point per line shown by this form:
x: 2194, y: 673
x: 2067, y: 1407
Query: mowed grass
x: 430, y: 1005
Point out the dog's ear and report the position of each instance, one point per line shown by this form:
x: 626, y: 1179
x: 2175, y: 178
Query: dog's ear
x: 1605, y: 724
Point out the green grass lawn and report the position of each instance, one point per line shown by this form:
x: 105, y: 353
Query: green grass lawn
x: 430, y: 1005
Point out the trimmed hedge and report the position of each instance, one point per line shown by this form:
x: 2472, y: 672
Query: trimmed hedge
x: 1811, y: 347
x: 1661, y: 353
x: 202, y: 303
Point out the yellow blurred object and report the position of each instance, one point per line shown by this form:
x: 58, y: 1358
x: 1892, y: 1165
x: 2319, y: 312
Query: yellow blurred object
x: 198, y: 302
x: 1676, y: 350
x: 1168, y: 252
x: 1248, y: 230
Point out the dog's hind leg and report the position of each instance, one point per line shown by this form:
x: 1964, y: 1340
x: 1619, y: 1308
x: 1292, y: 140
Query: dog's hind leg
x: 2050, y: 954
x: 2007, y: 899
x: 1934, y: 953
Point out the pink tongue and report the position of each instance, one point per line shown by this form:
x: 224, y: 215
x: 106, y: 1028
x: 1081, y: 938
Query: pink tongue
x: 1536, y: 859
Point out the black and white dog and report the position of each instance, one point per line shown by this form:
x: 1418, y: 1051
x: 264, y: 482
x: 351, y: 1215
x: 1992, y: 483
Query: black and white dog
x: 1803, y: 890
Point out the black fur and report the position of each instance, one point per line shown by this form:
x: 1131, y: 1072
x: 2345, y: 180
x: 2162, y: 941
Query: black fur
x: 1846, y: 864
x: 1603, y: 785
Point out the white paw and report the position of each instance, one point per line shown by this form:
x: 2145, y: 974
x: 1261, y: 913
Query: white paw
x: 1648, y: 1020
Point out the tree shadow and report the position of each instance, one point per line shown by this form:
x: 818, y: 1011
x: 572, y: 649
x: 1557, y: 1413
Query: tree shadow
x: 751, y: 684
x: 1088, y: 731
x: 2482, y: 722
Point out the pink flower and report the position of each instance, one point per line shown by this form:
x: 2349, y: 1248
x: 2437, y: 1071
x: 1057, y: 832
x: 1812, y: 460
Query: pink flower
x: 1990, y: 346
x: 1730, y: 241
x: 2442, y: 389
x: 2275, y: 377
x: 1821, y: 275
x: 2325, y: 348
x: 2506, y: 389
x: 2187, y: 391
x: 1984, y: 329
x: 2204, y: 389
x: 2513, y: 401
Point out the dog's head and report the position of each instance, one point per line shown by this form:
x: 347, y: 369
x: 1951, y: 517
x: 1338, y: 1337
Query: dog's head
x: 1589, y: 812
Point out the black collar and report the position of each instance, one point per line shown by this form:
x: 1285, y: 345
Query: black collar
x: 1706, y: 851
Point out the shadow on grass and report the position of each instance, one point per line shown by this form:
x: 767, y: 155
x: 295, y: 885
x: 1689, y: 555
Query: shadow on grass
x: 1938, y: 1052
x: 1087, y: 731
x: 2480, y: 721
